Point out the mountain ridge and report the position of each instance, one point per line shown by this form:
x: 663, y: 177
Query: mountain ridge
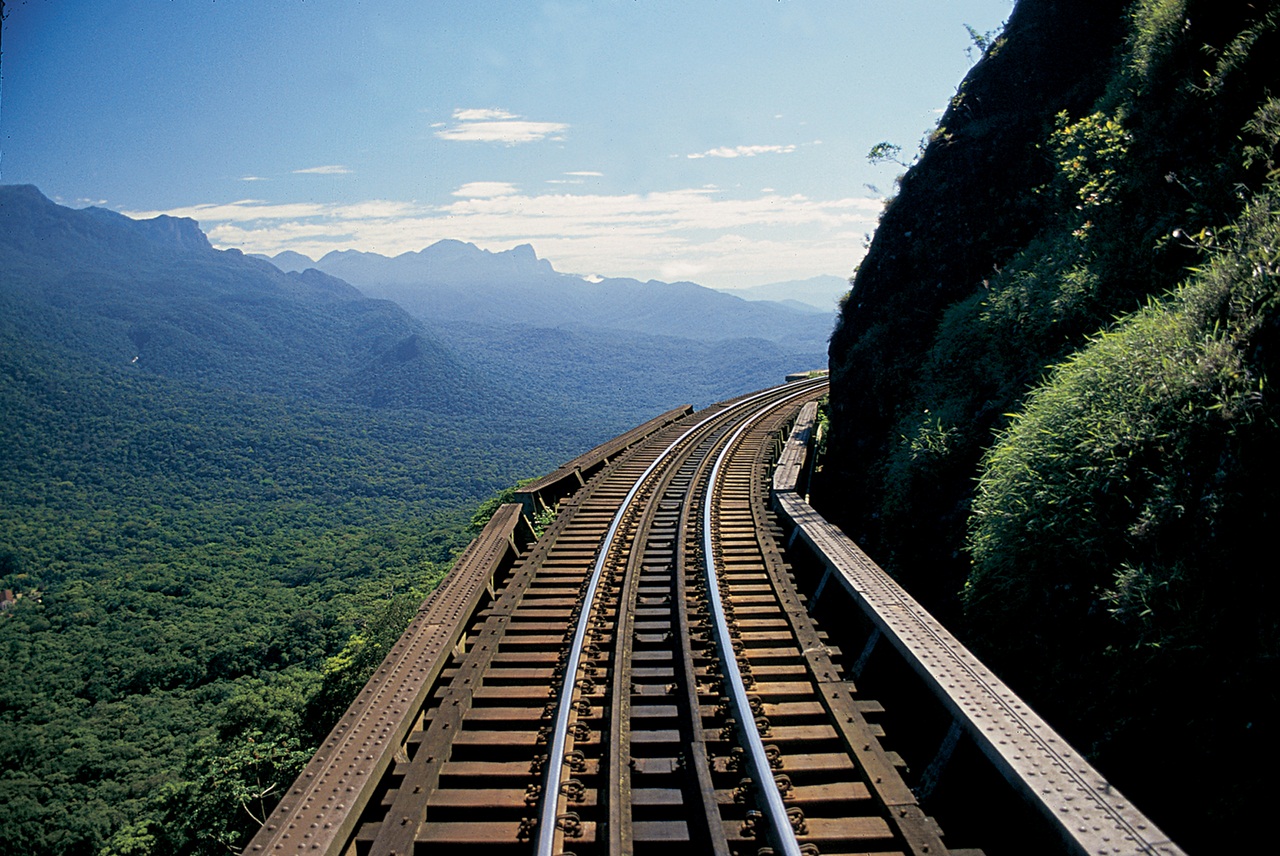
x: 167, y: 302
x: 821, y: 293
x: 454, y: 280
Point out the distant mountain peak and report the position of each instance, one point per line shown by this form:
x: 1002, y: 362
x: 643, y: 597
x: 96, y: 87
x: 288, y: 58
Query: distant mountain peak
x: 23, y: 206
x: 288, y: 261
x: 25, y: 192
x: 446, y: 244
x: 820, y: 293
x: 182, y: 232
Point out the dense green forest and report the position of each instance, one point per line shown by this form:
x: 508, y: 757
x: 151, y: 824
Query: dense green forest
x: 224, y: 491
x: 1053, y: 412
x: 190, y: 566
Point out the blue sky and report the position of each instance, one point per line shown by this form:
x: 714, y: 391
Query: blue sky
x: 722, y: 142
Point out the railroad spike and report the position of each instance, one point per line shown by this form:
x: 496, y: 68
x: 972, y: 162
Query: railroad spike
x: 570, y: 824
x: 574, y: 790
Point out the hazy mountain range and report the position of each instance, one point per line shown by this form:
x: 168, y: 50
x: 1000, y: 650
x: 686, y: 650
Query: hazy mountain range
x: 612, y: 346
x: 452, y: 327
x: 817, y: 293
x: 452, y: 281
x: 154, y: 296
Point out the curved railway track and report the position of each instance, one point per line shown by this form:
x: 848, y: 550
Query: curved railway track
x: 643, y: 678
x: 622, y: 694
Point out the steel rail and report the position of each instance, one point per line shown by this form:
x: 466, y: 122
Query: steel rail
x: 699, y: 758
x: 673, y: 485
x: 781, y: 832
x: 555, y: 756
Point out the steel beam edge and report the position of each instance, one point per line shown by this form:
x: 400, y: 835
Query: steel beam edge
x: 319, y: 812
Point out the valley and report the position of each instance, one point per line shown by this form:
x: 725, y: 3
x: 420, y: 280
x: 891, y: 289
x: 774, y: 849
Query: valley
x: 227, y: 486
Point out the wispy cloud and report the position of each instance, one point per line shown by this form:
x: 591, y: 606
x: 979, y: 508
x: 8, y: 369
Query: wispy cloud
x: 330, y: 169
x: 576, y: 177
x: 482, y: 115
x: 700, y: 233
x: 485, y: 189
x: 252, y: 178
x: 499, y: 126
x: 743, y: 151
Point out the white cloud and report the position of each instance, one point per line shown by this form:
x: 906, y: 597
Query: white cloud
x: 680, y: 270
x: 702, y: 233
x: 482, y: 115
x: 743, y: 151
x: 330, y: 169
x: 586, y: 173
x: 265, y: 213
x: 485, y: 189
x: 499, y: 126
x: 252, y: 178
x: 243, y: 210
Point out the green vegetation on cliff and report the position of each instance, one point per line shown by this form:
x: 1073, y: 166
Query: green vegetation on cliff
x: 1127, y: 468
x: 1052, y: 388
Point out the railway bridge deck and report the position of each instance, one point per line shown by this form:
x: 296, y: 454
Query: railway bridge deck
x: 681, y: 663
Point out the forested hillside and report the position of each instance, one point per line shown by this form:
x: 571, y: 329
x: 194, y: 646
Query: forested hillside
x: 1052, y: 406
x: 223, y: 491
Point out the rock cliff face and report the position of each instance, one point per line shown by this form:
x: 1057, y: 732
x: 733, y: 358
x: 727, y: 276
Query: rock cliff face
x: 1050, y: 409
x: 181, y: 232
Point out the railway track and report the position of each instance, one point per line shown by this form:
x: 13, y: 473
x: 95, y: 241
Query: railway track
x: 643, y: 678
